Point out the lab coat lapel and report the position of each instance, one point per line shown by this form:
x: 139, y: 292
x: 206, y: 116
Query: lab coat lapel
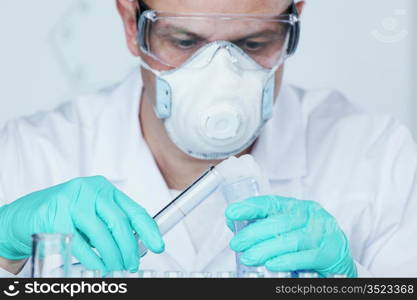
x: 217, y: 240
x: 122, y: 155
x: 119, y: 151
x: 281, y: 148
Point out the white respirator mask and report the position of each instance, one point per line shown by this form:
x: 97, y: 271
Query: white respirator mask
x: 215, y: 105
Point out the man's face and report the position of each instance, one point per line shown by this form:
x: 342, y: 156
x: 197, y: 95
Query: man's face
x: 210, y: 30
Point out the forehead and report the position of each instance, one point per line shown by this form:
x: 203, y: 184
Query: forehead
x: 220, y: 6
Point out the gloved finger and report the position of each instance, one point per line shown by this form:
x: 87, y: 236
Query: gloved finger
x: 142, y: 222
x: 259, y: 207
x: 99, y: 236
x: 230, y: 224
x: 87, y: 257
x: 259, y: 254
x: 302, y: 260
x: 237, y: 226
x: 265, y: 229
x: 118, y: 224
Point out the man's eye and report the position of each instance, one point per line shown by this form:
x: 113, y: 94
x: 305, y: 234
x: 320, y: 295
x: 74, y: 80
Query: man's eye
x: 253, y: 46
x: 185, y: 44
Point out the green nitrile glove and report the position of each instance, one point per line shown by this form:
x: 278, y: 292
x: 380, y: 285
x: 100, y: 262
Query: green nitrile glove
x: 94, y: 211
x: 290, y: 235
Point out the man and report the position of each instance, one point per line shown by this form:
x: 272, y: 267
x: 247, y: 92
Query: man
x: 210, y: 86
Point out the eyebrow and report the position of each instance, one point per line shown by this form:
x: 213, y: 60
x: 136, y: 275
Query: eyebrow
x: 261, y: 33
x: 175, y: 29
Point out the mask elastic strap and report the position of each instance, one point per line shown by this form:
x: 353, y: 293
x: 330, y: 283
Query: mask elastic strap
x: 163, y: 105
x: 145, y: 65
x: 269, y: 91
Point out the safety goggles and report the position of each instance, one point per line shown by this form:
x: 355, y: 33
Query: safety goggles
x: 173, y: 39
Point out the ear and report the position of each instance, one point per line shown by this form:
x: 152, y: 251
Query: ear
x: 127, y: 10
x: 300, y: 6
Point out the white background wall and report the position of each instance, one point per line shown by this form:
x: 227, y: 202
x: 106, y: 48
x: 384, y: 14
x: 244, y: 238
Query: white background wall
x: 365, y: 48
x: 52, y: 50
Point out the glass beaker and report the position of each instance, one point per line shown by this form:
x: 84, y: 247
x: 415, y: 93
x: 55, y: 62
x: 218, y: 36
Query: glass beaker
x: 236, y: 192
x: 51, y: 255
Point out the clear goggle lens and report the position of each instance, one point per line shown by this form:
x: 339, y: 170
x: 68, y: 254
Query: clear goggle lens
x: 173, y: 39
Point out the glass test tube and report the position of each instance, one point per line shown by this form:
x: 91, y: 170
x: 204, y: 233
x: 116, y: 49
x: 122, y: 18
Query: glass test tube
x: 200, y: 275
x: 270, y: 274
x: 308, y: 275
x: 117, y: 274
x: 226, y: 274
x: 51, y: 255
x: 236, y: 192
x: 338, y: 276
x: 147, y: 274
x: 90, y: 274
x: 174, y: 274
x: 182, y: 205
x: 253, y: 275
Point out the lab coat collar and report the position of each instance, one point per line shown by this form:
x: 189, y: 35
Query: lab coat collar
x: 281, y: 148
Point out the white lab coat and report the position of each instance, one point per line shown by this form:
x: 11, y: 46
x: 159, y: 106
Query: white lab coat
x: 361, y: 167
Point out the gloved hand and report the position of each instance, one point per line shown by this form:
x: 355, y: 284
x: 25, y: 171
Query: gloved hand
x: 94, y: 211
x: 290, y: 235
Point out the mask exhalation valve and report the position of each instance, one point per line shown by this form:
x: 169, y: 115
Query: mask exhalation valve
x: 221, y: 122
